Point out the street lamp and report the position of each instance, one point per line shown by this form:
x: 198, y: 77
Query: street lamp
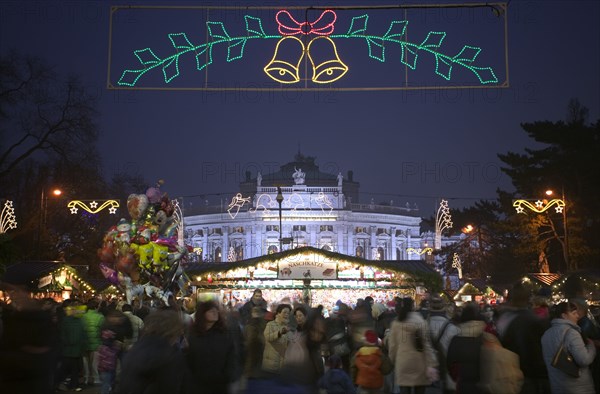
x: 279, y: 200
x: 44, y: 212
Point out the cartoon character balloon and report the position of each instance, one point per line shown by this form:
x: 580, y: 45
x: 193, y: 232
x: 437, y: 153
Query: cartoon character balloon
x: 143, y: 255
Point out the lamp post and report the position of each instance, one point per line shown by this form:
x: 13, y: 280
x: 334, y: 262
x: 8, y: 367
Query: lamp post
x: 279, y: 200
x: 44, y: 213
x: 564, y: 213
x: 443, y: 220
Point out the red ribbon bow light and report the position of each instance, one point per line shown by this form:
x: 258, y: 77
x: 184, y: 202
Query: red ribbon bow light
x: 288, y: 26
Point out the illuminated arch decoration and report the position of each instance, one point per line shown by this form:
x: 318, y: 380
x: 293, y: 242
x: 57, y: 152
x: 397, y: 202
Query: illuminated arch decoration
x: 8, y: 220
x: 93, y: 208
x: 237, y: 202
x: 540, y: 206
x: 264, y: 202
x: 323, y: 72
x: 419, y: 251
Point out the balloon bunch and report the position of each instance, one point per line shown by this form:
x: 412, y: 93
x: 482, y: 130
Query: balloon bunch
x: 143, y: 255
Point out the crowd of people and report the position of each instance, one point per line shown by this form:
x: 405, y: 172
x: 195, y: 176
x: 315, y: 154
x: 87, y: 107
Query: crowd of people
x: 291, y: 347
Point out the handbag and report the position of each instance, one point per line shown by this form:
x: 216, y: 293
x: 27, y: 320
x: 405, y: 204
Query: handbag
x: 386, y: 364
x: 563, y: 361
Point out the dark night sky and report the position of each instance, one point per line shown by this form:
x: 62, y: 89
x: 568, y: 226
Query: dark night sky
x: 413, y: 146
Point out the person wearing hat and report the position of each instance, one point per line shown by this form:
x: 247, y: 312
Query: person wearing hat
x: 368, y: 365
x: 441, y: 332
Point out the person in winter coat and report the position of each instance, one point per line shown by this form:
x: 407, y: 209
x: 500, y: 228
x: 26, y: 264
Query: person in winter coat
x: 92, y: 322
x: 441, y: 332
x: 367, y: 362
x: 336, y: 380
x: 564, y: 330
x: 73, y: 341
x: 520, y: 330
x: 212, y: 353
x: 276, y: 339
x: 155, y: 364
x: 464, y: 352
x: 254, y: 344
x: 413, y: 368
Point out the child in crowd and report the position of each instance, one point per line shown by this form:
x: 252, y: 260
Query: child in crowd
x: 368, y: 362
x: 336, y: 380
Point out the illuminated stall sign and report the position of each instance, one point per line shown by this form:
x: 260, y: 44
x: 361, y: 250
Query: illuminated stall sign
x: 307, y: 267
x: 357, y: 273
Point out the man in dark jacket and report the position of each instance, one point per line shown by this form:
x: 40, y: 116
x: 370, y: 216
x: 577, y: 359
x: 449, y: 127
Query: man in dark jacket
x: 256, y: 300
x: 520, y: 331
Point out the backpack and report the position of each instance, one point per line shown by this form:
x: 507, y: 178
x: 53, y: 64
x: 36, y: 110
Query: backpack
x: 107, y: 357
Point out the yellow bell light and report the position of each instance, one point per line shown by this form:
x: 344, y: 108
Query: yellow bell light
x: 326, y: 63
x: 285, y: 65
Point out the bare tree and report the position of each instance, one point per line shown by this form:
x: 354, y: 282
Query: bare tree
x: 41, y: 115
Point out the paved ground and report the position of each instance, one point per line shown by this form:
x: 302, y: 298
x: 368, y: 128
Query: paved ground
x: 96, y: 390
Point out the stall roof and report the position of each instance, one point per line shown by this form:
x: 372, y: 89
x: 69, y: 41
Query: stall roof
x: 544, y: 278
x: 24, y: 273
x: 409, y: 266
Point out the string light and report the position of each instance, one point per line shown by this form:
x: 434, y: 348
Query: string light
x: 323, y: 73
x: 8, y: 220
x: 93, y: 208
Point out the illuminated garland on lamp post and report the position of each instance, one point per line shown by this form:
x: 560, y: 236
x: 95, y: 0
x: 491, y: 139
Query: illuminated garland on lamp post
x: 8, y: 220
x: 419, y: 251
x: 443, y: 220
x: 456, y: 263
x: 94, y: 206
x: 541, y: 206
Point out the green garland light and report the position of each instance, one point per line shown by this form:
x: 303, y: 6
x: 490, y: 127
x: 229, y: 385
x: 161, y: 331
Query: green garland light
x: 358, y: 30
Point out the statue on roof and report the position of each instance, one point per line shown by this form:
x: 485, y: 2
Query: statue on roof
x: 298, y: 176
x: 340, y: 179
x: 259, y: 179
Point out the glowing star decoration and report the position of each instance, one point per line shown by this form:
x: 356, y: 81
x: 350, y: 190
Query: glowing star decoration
x: 237, y: 202
x: 93, y: 208
x: 443, y: 221
x: 456, y: 263
x: 8, y: 220
x: 540, y: 206
x: 327, y: 67
x: 419, y: 251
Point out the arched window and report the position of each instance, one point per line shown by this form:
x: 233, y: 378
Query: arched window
x: 380, y: 253
x: 326, y: 247
x: 360, y: 252
x: 398, y: 254
x: 272, y: 249
x: 218, y: 256
x: 239, y: 253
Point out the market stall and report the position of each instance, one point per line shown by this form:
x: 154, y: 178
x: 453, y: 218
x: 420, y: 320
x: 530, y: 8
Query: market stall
x: 48, y: 279
x: 314, y: 276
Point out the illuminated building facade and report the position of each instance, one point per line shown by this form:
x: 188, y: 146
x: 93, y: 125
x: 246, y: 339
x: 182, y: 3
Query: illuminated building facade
x: 318, y: 209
